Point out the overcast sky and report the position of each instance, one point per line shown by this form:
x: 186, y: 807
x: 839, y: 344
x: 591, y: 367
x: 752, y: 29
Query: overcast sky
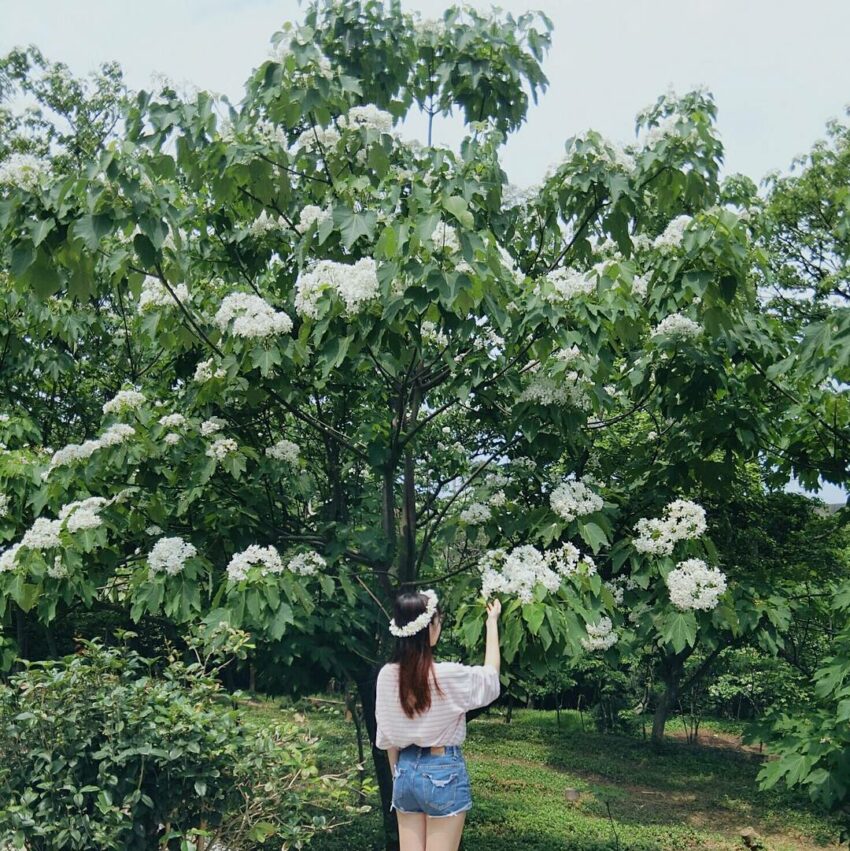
x: 778, y: 69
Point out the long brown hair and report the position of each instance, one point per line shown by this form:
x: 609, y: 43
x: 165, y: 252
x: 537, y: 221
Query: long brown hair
x: 414, y: 657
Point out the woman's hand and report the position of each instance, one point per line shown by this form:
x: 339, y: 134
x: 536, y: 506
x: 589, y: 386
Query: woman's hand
x: 494, y: 609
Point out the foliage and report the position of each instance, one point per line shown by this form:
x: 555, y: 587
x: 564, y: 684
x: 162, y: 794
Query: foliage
x: 106, y: 749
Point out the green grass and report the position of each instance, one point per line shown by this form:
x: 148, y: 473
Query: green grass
x: 681, y: 798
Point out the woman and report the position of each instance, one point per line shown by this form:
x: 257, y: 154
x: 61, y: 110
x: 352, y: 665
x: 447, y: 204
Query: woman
x: 421, y: 711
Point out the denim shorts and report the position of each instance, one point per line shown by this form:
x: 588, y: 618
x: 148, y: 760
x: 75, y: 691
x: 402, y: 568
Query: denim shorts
x: 437, y: 785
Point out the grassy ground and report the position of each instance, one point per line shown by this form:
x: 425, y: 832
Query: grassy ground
x: 686, y: 797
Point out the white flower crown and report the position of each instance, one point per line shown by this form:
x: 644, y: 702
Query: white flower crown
x: 420, y: 622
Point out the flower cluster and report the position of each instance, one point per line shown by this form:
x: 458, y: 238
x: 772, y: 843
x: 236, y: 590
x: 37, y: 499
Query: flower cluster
x: 173, y: 421
x: 4, y: 504
x: 475, y: 514
x: 83, y: 514
x: 694, y: 585
x: 22, y: 171
x: 221, y: 448
x: 600, y: 636
x: 154, y: 294
x: 519, y: 571
x: 682, y: 520
x: 367, y: 117
x: 204, y: 371
x: 252, y: 317
x: 432, y: 335
x: 355, y: 285
x: 568, y: 283
x: 264, y: 224
x: 321, y: 138
x: 445, y: 237
x: 548, y: 391
x: 573, y: 499
x: 124, y: 400
x: 169, y: 555
x: 306, y: 564
x: 284, y: 450
x: 211, y: 426
x: 673, y: 234
x: 115, y: 434
x: 311, y: 215
x: 268, y: 559
x: 678, y: 326
x: 640, y: 286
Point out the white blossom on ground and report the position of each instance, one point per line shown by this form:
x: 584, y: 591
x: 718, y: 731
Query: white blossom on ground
x: 221, y: 448
x: 682, y: 520
x: 677, y: 325
x: 266, y: 558
x: 573, y: 498
x: 695, y: 585
x: 204, y: 371
x: 355, y: 285
x: 154, y: 294
x: 22, y: 171
x: 600, y: 635
x: 673, y: 234
x: 252, y: 317
x: 284, y: 450
x: 124, y: 400
x: 475, y: 514
x: 306, y: 564
x: 169, y: 555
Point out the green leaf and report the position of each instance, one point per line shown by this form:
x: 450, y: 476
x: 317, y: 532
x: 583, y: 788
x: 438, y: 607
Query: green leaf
x: 353, y: 225
x: 458, y: 207
x: 679, y: 629
x: 533, y: 614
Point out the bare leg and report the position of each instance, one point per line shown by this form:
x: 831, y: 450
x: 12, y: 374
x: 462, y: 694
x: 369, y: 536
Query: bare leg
x: 444, y: 833
x: 411, y: 831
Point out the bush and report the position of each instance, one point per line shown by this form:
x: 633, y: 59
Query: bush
x: 101, y: 751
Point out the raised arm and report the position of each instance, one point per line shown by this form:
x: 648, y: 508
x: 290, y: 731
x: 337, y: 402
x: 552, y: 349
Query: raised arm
x: 491, y: 650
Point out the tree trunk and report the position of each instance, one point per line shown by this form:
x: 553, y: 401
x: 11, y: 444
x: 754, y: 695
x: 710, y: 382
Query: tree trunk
x: 662, y: 709
x: 366, y: 689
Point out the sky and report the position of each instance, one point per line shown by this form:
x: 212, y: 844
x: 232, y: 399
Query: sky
x: 778, y: 69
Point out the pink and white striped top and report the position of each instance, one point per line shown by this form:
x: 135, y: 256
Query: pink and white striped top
x: 464, y: 687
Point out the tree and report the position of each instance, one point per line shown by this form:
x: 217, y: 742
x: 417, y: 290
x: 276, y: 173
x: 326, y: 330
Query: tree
x: 332, y: 364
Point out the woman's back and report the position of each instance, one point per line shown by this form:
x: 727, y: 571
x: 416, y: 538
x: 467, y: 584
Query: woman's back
x: 461, y: 688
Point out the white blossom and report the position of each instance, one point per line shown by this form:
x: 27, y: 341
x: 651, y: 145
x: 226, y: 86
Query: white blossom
x: 475, y: 514
x: 22, y: 171
x: 600, y: 636
x: 356, y: 285
x: 8, y: 558
x: 57, y: 570
x: 311, y: 215
x: 285, y: 450
x: 4, y: 504
x: 172, y: 438
x: 640, y: 286
x: 694, y: 585
x: 264, y: 224
x: 173, y: 421
x: 211, y: 426
x: 124, y: 400
x: 432, y: 335
x: 568, y: 283
x: 169, y: 555
x: 673, y: 234
x: 445, y: 237
x: 564, y: 391
x: 252, y: 317
x: 154, y: 294
x: 682, y: 520
x: 498, y: 499
x: 368, y: 116
x: 42, y: 535
x: 204, y: 371
x: 678, y: 326
x: 573, y: 498
x: 83, y: 514
x: 153, y: 530
x: 320, y: 138
x: 222, y: 448
x: 306, y: 564
x: 267, y: 558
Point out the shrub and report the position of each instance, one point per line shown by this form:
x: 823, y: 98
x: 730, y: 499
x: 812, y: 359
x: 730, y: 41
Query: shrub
x: 102, y: 751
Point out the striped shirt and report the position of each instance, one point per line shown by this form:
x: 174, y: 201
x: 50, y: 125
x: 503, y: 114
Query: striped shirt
x: 464, y: 687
